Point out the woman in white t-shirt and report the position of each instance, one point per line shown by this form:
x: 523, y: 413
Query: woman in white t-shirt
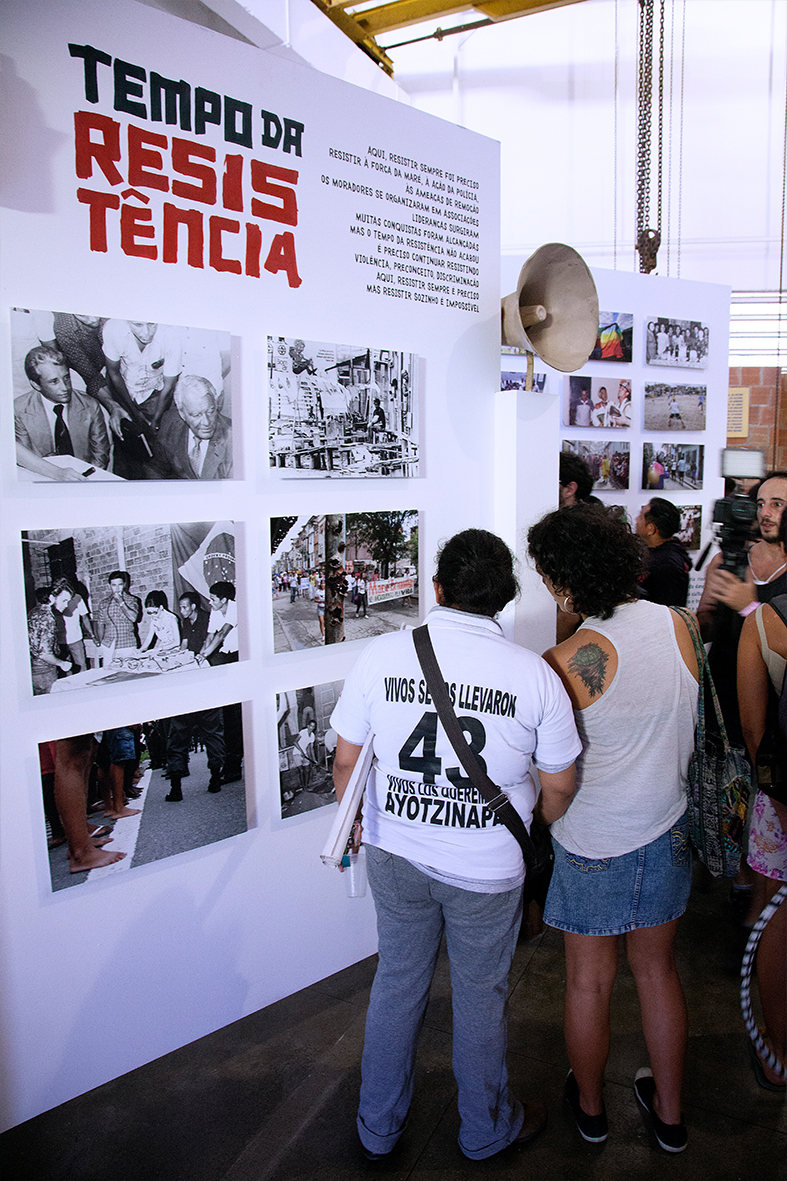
x: 437, y: 860
x: 622, y: 854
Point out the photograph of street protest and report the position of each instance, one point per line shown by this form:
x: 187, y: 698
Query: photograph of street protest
x: 615, y: 331
x: 601, y: 402
x: 307, y: 745
x: 341, y: 410
x: 608, y: 462
x: 103, y: 399
x: 342, y: 577
x: 517, y: 381
x: 125, y: 602
x: 681, y: 344
x: 675, y: 407
x: 139, y: 793
x: 672, y: 466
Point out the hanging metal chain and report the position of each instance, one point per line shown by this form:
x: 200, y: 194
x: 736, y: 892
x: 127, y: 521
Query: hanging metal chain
x: 648, y: 240
x: 660, y: 118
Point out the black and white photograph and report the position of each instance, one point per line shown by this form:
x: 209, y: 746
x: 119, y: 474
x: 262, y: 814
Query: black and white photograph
x: 307, y: 745
x: 121, y: 603
x: 125, y: 797
x: 342, y: 577
x: 102, y: 399
x: 608, y: 462
x: 510, y: 380
x: 614, y: 340
x: 690, y: 532
x: 681, y: 344
x: 672, y: 466
x: 600, y: 402
x: 341, y: 410
x: 675, y: 407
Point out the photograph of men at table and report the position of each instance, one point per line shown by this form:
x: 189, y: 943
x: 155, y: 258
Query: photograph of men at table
x: 109, y: 399
x: 116, y: 603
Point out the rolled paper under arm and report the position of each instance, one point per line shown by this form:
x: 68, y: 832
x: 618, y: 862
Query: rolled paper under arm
x: 339, y: 835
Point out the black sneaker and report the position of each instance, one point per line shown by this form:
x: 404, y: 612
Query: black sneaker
x: 592, y: 1128
x: 671, y: 1137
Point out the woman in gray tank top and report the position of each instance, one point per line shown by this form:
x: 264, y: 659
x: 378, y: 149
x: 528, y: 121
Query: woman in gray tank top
x: 622, y: 854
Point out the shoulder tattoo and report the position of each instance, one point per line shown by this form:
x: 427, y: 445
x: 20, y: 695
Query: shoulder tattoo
x: 589, y: 663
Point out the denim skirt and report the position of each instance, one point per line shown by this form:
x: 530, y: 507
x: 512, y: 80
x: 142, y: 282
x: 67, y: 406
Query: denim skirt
x: 612, y: 895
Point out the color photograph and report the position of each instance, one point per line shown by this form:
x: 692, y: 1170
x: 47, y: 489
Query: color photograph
x: 608, y: 462
x: 600, y: 402
x: 122, y: 798
x: 103, y: 399
x: 307, y: 745
x: 615, y: 331
x: 672, y: 466
x: 675, y: 407
x: 125, y: 602
x: 682, y: 344
x: 341, y: 410
x: 342, y: 577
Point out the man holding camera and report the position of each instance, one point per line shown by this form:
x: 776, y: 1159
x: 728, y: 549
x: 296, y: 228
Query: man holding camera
x: 765, y: 577
x: 766, y: 573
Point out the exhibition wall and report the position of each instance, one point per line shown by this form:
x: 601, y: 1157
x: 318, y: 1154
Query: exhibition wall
x: 304, y: 250
x: 531, y: 428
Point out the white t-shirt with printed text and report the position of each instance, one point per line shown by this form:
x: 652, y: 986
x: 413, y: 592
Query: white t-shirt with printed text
x: 513, y: 709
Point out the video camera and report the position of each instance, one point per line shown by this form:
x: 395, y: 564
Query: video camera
x: 736, y: 514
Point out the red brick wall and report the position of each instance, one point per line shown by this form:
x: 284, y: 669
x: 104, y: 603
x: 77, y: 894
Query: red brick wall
x: 764, y: 432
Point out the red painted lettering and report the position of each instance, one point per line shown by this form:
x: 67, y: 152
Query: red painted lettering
x: 287, y: 211
x: 105, y: 151
x: 132, y: 226
x: 192, y: 219
x: 141, y: 158
x: 99, y: 203
x: 217, y: 227
x: 182, y: 152
x: 281, y: 257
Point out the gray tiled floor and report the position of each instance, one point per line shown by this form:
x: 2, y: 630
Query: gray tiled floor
x: 272, y: 1097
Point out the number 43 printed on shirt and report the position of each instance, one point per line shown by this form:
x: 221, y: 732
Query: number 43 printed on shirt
x: 428, y: 764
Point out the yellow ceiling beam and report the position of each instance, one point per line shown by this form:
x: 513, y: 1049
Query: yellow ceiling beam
x: 365, y: 24
x: 398, y: 14
x: 361, y: 38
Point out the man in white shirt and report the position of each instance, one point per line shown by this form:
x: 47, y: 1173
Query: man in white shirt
x: 144, y: 361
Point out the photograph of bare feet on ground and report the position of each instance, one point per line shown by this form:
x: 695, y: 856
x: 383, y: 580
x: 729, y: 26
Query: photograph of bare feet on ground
x: 139, y: 793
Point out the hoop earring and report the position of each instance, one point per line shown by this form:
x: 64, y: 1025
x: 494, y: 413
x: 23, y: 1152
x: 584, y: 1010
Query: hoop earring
x: 565, y: 607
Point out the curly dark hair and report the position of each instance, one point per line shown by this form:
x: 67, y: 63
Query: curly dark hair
x: 588, y: 554
x: 475, y: 568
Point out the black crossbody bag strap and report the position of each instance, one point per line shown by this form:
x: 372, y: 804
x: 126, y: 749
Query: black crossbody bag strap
x: 493, y: 797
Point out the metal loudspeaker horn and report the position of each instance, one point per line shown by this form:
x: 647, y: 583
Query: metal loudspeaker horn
x: 554, y: 310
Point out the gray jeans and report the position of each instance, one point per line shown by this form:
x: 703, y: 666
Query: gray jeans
x: 413, y: 911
